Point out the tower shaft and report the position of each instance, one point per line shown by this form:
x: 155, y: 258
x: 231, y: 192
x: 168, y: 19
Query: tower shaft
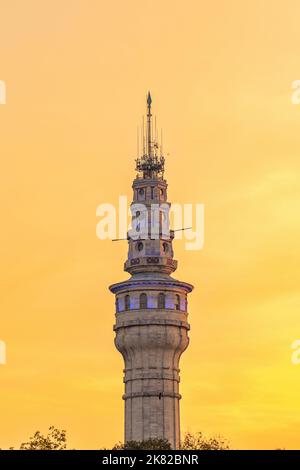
x: 151, y: 348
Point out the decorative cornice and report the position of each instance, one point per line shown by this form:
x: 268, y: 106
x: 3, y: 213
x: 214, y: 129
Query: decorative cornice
x: 127, y: 396
x: 154, y: 321
x: 136, y: 284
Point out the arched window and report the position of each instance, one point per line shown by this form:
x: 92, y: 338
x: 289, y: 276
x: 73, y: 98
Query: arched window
x: 139, y: 246
x: 166, y: 247
x: 143, y: 301
x: 161, y: 300
x: 117, y: 305
x: 177, y: 302
x: 141, y: 193
x: 127, y: 302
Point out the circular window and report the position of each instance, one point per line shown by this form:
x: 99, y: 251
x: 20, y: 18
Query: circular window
x: 139, y: 246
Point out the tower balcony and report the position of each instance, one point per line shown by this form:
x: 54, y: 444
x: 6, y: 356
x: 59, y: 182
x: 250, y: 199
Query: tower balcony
x: 141, y: 264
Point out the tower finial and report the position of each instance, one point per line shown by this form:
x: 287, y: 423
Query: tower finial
x: 149, y: 99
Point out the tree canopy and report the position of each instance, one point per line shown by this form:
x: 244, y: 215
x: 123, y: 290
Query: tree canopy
x: 55, y: 439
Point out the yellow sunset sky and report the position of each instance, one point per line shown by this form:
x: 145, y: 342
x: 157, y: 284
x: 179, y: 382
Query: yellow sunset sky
x: 220, y: 73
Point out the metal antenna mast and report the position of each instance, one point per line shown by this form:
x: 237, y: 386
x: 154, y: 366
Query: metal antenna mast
x: 149, y: 115
x: 149, y: 164
x: 143, y: 132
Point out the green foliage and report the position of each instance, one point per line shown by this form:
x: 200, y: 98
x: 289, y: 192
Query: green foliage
x: 54, y: 440
x: 190, y: 442
x: 148, y: 444
x: 199, y: 442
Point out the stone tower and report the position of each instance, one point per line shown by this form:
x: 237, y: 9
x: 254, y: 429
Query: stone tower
x: 151, y: 307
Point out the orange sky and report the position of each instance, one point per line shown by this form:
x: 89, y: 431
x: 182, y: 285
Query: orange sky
x: 220, y: 73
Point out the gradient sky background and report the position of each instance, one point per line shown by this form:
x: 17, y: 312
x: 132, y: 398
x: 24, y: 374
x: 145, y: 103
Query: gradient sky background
x: 220, y: 73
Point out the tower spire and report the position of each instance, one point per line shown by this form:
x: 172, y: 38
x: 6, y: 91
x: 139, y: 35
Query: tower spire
x: 149, y: 118
x: 150, y: 165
